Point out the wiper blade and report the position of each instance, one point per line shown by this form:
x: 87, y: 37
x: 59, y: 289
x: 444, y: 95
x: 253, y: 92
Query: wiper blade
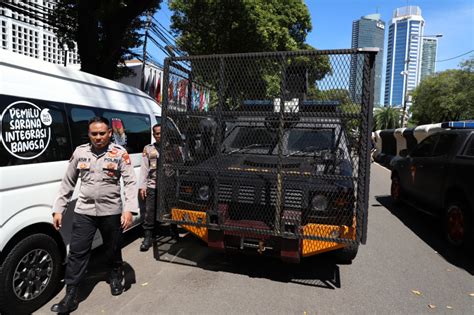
x: 307, y: 149
x: 250, y: 146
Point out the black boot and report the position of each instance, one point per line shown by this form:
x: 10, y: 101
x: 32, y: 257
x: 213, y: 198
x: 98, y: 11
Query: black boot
x: 147, y: 241
x: 116, y: 287
x: 68, y: 303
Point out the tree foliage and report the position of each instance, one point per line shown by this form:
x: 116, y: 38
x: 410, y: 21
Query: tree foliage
x: 206, y: 27
x: 104, y: 30
x: 445, y: 96
x: 386, y: 118
x: 212, y: 27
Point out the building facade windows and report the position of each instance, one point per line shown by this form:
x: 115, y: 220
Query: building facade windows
x: 28, y: 34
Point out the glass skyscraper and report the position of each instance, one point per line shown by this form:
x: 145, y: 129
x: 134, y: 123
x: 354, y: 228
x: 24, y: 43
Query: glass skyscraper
x: 428, y: 57
x: 368, y: 31
x: 403, y: 54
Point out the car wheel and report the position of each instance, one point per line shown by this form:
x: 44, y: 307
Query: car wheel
x: 30, y: 274
x: 396, y: 189
x: 458, y: 225
x: 347, y: 254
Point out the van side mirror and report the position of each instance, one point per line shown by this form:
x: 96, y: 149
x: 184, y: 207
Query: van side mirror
x: 403, y: 153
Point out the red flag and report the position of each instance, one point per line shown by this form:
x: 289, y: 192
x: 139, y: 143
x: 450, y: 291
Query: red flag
x: 170, y: 90
x: 182, y: 92
x: 152, y: 85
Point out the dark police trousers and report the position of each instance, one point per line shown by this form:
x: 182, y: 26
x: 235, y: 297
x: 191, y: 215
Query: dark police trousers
x: 83, y: 231
x: 150, y: 209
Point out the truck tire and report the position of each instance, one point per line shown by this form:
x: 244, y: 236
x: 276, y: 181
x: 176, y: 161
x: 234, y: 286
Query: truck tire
x: 347, y: 254
x: 458, y: 225
x: 30, y: 274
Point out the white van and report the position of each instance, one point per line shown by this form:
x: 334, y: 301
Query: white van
x: 44, y: 111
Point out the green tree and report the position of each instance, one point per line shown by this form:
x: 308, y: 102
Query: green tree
x: 104, y: 30
x: 211, y: 27
x: 206, y: 27
x: 445, y: 96
x: 386, y: 118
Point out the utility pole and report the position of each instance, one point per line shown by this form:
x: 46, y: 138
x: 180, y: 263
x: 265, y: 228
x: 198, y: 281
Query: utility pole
x: 147, y: 26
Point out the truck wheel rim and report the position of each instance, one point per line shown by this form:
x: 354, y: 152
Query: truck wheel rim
x: 32, y: 274
x: 455, y: 225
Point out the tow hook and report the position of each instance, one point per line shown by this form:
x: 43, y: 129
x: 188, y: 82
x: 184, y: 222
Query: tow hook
x: 261, y: 247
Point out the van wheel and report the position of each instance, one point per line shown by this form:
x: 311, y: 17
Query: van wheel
x: 396, y: 189
x: 347, y: 254
x: 459, y: 225
x: 30, y: 274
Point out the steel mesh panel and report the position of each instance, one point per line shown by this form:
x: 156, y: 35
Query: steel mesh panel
x: 275, y: 144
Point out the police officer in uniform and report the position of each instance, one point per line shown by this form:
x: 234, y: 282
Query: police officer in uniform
x: 100, y: 165
x: 147, y: 186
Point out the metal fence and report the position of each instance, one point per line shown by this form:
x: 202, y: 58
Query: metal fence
x: 268, y: 145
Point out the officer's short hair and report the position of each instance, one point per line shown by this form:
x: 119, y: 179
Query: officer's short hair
x: 98, y: 119
x: 155, y: 125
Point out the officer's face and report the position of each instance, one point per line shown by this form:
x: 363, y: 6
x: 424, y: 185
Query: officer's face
x: 99, y: 134
x: 157, y: 134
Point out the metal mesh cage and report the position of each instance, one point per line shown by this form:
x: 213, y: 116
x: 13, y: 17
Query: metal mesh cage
x: 267, y: 146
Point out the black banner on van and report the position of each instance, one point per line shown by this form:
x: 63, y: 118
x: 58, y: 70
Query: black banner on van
x: 25, y: 129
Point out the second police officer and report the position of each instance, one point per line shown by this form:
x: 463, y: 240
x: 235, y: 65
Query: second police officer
x: 147, y: 186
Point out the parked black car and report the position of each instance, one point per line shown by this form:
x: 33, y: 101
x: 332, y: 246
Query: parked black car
x: 437, y: 176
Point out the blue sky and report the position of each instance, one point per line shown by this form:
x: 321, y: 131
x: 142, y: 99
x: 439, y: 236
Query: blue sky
x: 332, y: 23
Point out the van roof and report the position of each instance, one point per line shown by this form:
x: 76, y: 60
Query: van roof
x: 32, y: 78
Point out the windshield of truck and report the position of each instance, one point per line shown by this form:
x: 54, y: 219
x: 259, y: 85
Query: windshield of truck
x: 246, y: 139
x: 310, y: 139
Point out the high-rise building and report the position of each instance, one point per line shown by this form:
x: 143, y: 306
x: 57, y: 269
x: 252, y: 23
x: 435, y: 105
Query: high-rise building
x: 368, y: 31
x: 403, y: 55
x: 428, y: 57
x: 25, y: 29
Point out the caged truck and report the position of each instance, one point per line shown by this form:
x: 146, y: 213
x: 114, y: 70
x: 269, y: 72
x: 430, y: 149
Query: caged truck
x: 278, y: 157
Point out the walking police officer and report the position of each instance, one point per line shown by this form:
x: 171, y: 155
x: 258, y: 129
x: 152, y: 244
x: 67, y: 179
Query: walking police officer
x: 147, y: 186
x: 100, y: 165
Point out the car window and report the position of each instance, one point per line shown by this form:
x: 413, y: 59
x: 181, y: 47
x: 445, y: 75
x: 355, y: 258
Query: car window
x: 469, y: 150
x: 79, y: 120
x: 130, y: 130
x: 425, y: 148
x: 444, y: 144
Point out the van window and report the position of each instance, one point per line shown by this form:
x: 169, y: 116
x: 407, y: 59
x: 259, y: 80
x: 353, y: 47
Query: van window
x: 130, y: 130
x: 32, y: 131
x: 80, y: 117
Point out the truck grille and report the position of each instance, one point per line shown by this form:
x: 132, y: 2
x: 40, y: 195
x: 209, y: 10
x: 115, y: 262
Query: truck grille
x: 293, y: 198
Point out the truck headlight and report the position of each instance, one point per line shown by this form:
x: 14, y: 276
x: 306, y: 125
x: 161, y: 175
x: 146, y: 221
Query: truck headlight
x: 203, y: 193
x: 319, y: 203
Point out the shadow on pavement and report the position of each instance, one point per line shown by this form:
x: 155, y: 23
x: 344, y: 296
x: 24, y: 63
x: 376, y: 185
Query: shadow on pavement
x: 316, y: 271
x: 97, y: 272
x: 429, y: 229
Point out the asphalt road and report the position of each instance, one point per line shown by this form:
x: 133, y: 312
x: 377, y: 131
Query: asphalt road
x: 405, y: 268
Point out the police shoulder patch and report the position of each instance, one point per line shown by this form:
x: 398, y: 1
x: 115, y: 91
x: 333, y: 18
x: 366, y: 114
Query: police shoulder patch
x: 126, y: 158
